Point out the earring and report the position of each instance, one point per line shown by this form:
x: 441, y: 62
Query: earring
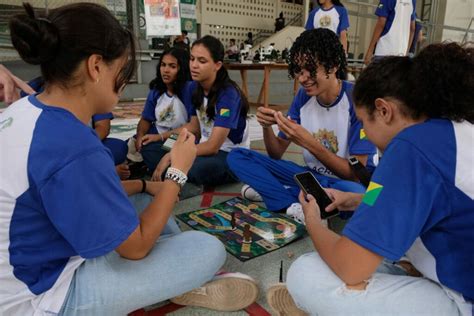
x: 97, y: 81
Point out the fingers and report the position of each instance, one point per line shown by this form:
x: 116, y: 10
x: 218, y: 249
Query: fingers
x: 22, y: 85
x: 145, y: 140
x: 183, y: 135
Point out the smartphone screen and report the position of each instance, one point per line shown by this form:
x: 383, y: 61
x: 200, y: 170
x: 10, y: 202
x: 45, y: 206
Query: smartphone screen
x: 309, y: 185
x: 168, y: 144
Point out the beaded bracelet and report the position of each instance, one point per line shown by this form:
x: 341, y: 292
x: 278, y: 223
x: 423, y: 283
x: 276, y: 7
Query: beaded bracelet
x: 176, y: 175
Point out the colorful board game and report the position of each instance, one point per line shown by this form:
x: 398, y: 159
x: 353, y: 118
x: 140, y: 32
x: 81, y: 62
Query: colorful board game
x: 246, y: 229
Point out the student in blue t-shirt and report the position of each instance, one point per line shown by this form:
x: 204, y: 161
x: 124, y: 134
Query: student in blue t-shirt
x: 71, y: 241
x: 331, y: 14
x: 419, y: 205
x: 164, y: 111
x: 218, y: 111
x: 394, y: 30
x: 100, y: 123
x: 321, y: 119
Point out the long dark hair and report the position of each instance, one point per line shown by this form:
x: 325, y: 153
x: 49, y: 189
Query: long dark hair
x: 437, y: 83
x: 183, y: 75
x: 216, y: 50
x: 334, y: 2
x: 59, y: 41
x: 317, y: 47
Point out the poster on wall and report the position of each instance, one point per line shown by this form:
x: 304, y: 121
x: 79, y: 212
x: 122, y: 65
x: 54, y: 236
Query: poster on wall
x: 162, y: 18
x: 188, y: 18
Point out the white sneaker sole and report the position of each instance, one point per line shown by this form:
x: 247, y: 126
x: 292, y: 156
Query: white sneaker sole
x: 226, y: 294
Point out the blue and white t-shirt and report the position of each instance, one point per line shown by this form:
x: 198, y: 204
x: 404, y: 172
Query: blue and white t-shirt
x: 37, y: 84
x: 395, y: 36
x: 335, y: 19
x: 61, y: 202
x: 421, y: 203
x: 166, y: 112
x: 336, y: 127
x: 227, y: 115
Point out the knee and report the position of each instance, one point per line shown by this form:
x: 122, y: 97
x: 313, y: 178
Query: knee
x: 210, y: 248
x: 236, y: 154
x: 301, y: 276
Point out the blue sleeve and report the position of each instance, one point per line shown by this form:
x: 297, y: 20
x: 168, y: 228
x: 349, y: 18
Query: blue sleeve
x: 228, y: 108
x: 384, y: 8
x: 310, y: 22
x: 413, y: 14
x: 36, y: 84
x: 150, y: 104
x: 398, y: 205
x: 299, y: 100
x: 343, y: 19
x: 85, y: 201
x: 101, y: 117
x: 188, y: 98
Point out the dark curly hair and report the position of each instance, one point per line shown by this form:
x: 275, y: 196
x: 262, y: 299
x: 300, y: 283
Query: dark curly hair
x: 384, y: 78
x: 437, y: 83
x: 183, y: 75
x: 317, y: 47
x: 443, y: 81
x: 216, y: 50
x: 334, y: 2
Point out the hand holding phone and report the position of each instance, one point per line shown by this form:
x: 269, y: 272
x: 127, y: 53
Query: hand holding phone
x: 310, y: 185
x: 168, y: 144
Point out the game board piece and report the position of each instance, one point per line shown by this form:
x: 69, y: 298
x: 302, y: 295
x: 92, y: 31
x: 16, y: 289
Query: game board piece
x: 233, y: 221
x: 247, y: 234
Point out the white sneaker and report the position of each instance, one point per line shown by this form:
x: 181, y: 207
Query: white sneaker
x: 296, y: 211
x: 250, y: 194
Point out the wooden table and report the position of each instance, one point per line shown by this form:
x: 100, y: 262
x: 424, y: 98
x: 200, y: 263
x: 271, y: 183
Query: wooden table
x: 265, y: 89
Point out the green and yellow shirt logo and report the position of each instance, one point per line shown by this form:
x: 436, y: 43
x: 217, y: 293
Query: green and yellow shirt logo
x: 362, y: 134
x: 372, y: 193
x: 225, y: 113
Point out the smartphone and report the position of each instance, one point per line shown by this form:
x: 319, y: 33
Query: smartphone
x: 360, y: 171
x: 310, y: 185
x: 168, y: 144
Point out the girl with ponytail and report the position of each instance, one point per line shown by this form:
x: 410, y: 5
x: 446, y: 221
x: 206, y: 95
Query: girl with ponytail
x: 218, y: 114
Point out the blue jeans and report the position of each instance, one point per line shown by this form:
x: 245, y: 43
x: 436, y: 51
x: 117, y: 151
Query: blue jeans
x: 152, y: 154
x: 118, y: 148
x: 273, y: 178
x: 211, y: 170
x: 390, y: 291
x: 112, y: 285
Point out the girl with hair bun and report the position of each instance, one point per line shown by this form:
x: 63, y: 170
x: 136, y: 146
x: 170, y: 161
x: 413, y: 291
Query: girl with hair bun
x: 408, y: 249
x: 71, y: 242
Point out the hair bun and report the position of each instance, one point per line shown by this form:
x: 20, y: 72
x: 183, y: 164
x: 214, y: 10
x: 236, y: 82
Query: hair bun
x: 35, y: 39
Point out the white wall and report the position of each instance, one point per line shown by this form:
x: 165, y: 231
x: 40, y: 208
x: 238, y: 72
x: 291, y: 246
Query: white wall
x: 458, y: 13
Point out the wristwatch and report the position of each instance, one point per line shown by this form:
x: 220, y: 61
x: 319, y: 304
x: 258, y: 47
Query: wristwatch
x: 360, y: 171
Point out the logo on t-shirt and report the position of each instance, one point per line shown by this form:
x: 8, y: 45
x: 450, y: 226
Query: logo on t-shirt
x: 325, y: 21
x: 380, y: 5
x: 328, y: 139
x: 362, y: 134
x: 372, y: 193
x: 168, y: 114
x: 6, y: 123
x: 225, y: 113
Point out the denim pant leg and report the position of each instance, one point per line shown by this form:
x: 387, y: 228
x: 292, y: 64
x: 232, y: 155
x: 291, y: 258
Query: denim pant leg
x: 271, y: 178
x: 112, y: 285
x: 318, y: 291
x: 211, y: 170
x: 152, y: 154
